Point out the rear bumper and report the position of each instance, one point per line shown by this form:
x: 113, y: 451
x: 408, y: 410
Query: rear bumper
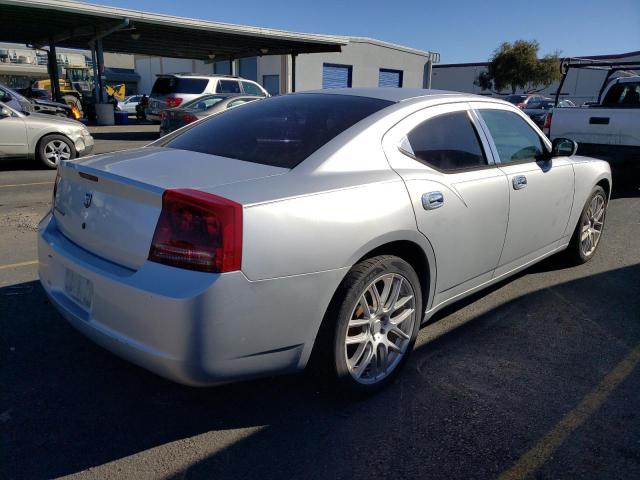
x: 191, y: 327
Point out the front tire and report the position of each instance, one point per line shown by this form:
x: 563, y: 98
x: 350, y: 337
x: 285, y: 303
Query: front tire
x: 372, y: 325
x: 586, y: 237
x: 52, y: 149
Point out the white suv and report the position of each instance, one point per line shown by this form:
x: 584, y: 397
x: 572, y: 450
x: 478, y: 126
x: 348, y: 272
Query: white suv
x: 172, y: 90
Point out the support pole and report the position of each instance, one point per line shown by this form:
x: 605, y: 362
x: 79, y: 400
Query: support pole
x: 100, y: 58
x: 232, y: 66
x: 96, y: 80
x: 428, y: 73
x: 293, y: 71
x: 52, y: 59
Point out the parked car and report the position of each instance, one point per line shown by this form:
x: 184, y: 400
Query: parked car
x: 14, y: 100
x: 609, y: 129
x: 201, y: 107
x: 310, y: 226
x: 37, y: 93
x: 170, y: 91
x: 521, y: 101
x: 19, y: 102
x: 48, y: 138
x: 537, y: 110
x: 129, y: 104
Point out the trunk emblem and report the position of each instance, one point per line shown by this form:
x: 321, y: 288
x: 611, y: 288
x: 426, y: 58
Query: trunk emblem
x: 87, y: 199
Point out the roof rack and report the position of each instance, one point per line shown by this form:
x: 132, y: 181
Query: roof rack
x: 629, y: 68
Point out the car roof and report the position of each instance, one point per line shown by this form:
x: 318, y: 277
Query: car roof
x: 399, y: 95
x: 391, y: 94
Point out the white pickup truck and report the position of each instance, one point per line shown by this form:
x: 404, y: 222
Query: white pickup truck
x: 609, y: 129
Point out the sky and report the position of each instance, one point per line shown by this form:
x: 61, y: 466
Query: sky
x: 460, y: 30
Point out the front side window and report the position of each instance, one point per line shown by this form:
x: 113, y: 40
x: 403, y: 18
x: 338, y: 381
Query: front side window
x: 278, y: 131
x: 228, y: 86
x: 515, y: 139
x: 251, y: 89
x: 447, y: 142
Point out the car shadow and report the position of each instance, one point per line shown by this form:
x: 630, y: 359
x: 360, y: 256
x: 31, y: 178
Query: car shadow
x: 467, y: 404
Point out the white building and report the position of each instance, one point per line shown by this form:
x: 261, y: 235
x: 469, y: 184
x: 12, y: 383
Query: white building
x: 363, y: 62
x: 581, y: 85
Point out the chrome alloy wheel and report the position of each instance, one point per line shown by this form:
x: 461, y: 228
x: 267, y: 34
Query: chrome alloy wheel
x: 57, y: 150
x: 380, y: 328
x: 591, y: 228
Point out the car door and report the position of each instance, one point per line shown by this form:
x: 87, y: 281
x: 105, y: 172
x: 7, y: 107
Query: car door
x: 13, y: 134
x: 541, y: 188
x: 460, y: 198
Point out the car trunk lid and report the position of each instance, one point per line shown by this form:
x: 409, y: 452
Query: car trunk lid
x: 109, y: 204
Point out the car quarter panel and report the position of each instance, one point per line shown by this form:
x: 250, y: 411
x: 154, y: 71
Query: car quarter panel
x: 588, y: 173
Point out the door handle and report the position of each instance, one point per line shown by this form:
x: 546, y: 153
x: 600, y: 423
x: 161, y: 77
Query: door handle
x: 432, y: 200
x: 519, y: 182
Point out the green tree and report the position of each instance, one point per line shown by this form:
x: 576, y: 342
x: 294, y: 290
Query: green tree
x: 516, y: 66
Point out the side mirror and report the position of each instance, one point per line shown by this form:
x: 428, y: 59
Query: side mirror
x: 5, y: 112
x: 563, y: 147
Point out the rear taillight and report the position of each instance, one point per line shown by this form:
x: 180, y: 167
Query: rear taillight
x: 520, y: 105
x: 198, y: 231
x: 173, y: 102
x: 55, y: 190
x: 188, y: 118
x: 547, y: 121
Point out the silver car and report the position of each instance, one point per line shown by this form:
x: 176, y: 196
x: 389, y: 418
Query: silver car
x: 199, y: 108
x: 48, y: 138
x: 314, y: 228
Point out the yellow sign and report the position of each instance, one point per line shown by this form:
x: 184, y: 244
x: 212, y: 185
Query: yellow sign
x: 116, y: 92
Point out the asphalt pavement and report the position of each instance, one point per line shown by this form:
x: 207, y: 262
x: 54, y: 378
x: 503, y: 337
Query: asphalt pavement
x: 537, y: 377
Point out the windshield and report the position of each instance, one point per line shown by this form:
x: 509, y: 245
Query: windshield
x: 278, y: 131
x: 170, y: 85
x: 78, y: 74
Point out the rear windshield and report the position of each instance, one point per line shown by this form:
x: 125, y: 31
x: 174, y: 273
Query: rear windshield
x: 516, y: 98
x: 170, y: 85
x: 279, y: 131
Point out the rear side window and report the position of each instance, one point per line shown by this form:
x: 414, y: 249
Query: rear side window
x: 251, y: 89
x: 278, y: 131
x: 514, y: 138
x: 447, y: 142
x: 171, y: 85
x: 228, y: 86
x: 623, y: 95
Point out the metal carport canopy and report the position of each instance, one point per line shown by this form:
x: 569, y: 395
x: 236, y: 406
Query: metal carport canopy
x: 72, y: 24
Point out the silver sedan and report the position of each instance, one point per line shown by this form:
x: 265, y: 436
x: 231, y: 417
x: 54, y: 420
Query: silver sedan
x: 318, y: 228
x: 47, y: 138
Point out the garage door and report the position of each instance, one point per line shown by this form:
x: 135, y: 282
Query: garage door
x: 336, y: 76
x: 390, y: 78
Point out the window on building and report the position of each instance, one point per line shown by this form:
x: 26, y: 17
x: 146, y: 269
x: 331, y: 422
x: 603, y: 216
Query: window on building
x: 271, y: 84
x: 249, y: 68
x: 447, y: 142
x: 515, y: 139
x: 336, y: 76
x: 390, y: 78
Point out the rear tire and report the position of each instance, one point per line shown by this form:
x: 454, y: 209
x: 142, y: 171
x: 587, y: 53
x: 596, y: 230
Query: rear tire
x: 371, y: 326
x: 588, y: 232
x: 52, y: 149
x: 73, y: 101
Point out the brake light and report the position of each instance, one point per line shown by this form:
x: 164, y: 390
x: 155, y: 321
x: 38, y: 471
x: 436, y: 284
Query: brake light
x: 198, y: 231
x: 55, y: 190
x: 189, y: 118
x: 547, y: 121
x: 173, y: 102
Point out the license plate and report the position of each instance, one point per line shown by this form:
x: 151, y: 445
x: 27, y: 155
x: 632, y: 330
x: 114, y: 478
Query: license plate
x: 79, y: 288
